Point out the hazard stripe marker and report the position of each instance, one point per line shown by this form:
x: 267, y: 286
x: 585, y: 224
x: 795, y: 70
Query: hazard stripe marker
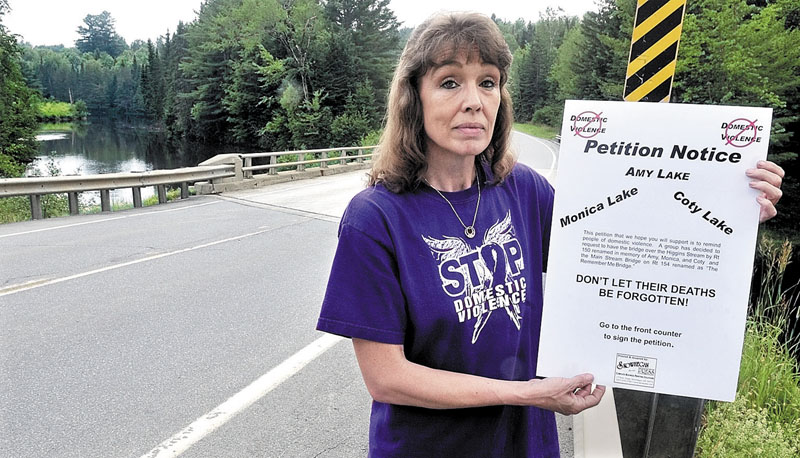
x: 654, y: 50
x: 651, y: 68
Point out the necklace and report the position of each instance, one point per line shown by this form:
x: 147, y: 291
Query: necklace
x: 469, y: 231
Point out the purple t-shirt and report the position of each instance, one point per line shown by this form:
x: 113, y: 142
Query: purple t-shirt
x: 405, y: 273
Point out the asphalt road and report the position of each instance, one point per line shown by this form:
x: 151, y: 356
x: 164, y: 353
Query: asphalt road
x: 118, y: 331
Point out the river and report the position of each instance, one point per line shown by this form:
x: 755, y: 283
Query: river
x: 102, y: 146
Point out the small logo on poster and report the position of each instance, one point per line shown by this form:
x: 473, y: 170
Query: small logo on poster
x: 741, y: 132
x: 635, y: 370
x: 588, y: 124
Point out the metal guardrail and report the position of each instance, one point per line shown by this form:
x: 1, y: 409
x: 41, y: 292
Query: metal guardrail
x: 35, y: 187
x: 323, y: 161
x: 220, y: 168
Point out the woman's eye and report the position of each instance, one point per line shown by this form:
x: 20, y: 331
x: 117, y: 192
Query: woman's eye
x: 449, y: 84
x: 489, y: 84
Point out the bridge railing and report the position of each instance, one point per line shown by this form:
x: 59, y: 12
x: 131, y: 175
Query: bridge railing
x: 36, y: 187
x: 361, y: 153
x: 223, y: 172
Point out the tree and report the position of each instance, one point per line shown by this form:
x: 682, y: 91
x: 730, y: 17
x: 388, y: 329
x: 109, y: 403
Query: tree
x: 17, y: 107
x: 215, y: 41
x: 153, y: 90
x: 309, y: 123
x: 370, y: 29
x: 603, y: 59
x: 99, y: 35
x: 299, y: 24
x: 252, y: 96
x: 737, y: 53
x: 533, y: 88
x: 358, y: 118
x: 563, y: 74
x: 177, y: 109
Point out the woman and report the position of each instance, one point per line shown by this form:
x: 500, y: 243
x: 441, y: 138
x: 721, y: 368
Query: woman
x: 448, y: 245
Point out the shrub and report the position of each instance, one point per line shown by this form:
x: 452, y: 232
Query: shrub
x: 548, y: 115
x: 372, y: 138
x: 764, y: 421
x: 348, y: 128
x: 14, y: 209
x: 734, y: 430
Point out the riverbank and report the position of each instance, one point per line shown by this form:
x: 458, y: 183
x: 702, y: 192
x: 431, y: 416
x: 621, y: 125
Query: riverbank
x: 54, y: 111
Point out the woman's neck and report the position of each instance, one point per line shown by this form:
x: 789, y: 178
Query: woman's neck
x: 451, y: 174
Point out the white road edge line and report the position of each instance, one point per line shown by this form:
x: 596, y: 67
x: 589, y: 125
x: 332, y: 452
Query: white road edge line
x: 107, y: 219
x: 19, y: 288
x: 240, y: 401
x: 549, y: 148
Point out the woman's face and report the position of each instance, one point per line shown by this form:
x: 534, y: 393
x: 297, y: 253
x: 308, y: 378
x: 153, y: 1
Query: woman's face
x: 460, y: 99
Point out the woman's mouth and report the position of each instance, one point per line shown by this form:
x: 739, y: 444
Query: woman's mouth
x: 470, y: 129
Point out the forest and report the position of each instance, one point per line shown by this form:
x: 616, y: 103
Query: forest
x: 294, y: 74
x: 274, y: 75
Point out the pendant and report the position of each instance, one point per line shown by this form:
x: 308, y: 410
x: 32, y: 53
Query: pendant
x: 469, y: 231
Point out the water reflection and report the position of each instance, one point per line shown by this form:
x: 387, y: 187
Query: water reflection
x: 108, y: 147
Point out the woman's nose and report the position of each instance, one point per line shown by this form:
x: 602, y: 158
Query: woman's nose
x: 472, y: 99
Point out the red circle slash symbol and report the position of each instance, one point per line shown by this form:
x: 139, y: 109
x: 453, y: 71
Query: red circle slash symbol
x: 595, y: 117
x: 741, y: 128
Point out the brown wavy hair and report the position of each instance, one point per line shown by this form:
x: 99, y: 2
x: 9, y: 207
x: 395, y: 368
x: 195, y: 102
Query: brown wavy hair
x: 400, y: 157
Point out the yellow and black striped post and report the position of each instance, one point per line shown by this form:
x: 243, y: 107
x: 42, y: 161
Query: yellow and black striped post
x: 666, y: 424
x: 654, y: 50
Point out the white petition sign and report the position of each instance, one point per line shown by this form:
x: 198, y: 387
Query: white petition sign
x: 652, y: 245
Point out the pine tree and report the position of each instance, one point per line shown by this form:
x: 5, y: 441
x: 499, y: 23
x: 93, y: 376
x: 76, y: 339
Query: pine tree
x: 99, y: 35
x: 177, y: 107
x: 370, y: 28
x: 17, y: 107
x: 153, y: 84
x: 251, y: 96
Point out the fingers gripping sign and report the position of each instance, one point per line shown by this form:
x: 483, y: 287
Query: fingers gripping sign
x: 767, y: 178
x: 568, y: 396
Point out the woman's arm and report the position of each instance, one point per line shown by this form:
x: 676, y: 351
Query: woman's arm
x: 392, y: 379
x: 767, y: 177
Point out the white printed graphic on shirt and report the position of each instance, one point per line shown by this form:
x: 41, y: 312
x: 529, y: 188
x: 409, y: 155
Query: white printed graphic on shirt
x: 485, y: 278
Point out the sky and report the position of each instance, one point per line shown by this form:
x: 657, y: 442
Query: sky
x: 52, y: 22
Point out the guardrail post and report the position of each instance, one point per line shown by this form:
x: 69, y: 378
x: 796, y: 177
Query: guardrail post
x: 72, y: 197
x: 248, y: 162
x: 324, y: 164
x: 137, y: 197
x: 162, y: 193
x: 344, y: 157
x: 273, y: 160
x: 359, y: 159
x: 301, y: 157
x: 36, y: 206
x: 237, y: 168
x: 184, y: 190
x: 105, y: 200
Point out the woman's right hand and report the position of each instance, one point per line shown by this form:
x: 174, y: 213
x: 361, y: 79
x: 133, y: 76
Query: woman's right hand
x: 566, y: 396
x: 392, y: 379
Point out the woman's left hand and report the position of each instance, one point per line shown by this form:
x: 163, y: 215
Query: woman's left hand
x: 767, y: 178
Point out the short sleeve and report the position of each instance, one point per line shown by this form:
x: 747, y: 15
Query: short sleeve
x: 364, y: 299
x: 546, y: 217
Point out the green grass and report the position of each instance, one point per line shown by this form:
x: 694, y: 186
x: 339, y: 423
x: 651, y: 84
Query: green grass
x: 55, y: 110
x: 16, y: 209
x: 764, y: 421
x: 55, y: 126
x: 537, y: 130
x: 172, y: 194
